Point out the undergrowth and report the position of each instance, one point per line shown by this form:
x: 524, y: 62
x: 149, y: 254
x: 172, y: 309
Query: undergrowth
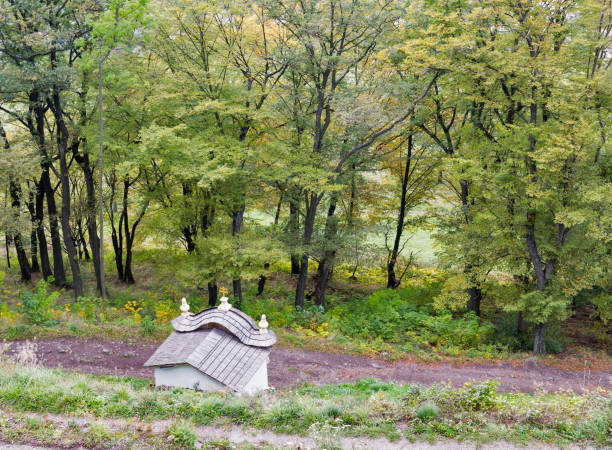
x: 357, y: 318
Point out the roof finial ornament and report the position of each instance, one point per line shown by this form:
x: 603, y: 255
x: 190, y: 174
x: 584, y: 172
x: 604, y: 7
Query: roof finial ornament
x: 184, y: 307
x: 263, y: 324
x: 224, y: 306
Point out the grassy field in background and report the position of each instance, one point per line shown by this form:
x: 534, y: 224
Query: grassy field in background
x: 419, y: 240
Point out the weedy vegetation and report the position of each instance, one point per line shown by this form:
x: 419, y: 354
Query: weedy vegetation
x: 476, y: 411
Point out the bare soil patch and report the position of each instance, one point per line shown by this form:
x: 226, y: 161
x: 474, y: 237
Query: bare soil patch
x: 290, y: 367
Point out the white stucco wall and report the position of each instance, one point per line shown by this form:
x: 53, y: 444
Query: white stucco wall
x: 187, y: 377
x: 259, y: 382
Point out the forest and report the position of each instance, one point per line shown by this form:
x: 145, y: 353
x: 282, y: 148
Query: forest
x: 468, y: 137
x: 409, y: 182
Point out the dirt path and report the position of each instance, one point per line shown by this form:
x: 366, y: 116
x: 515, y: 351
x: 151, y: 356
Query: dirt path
x: 290, y: 367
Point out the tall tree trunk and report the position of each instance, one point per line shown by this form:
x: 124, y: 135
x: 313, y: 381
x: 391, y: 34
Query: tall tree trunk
x: 7, y: 248
x: 16, y: 194
x: 62, y: 146
x: 82, y: 242
x: 77, y: 245
x: 59, y: 274
x: 542, y: 272
x: 33, y: 238
x: 474, y: 291
x: 329, y: 254
x: 213, y: 292
x: 83, y: 160
x: 294, y: 228
x: 77, y: 282
x: 311, y: 213
x: 129, y: 276
x: 117, y: 239
x: 189, y: 235
x: 22, y: 257
x: 130, y: 233
x: 392, y: 281
x: 261, y: 283
x: 237, y: 219
x: 539, y: 334
x: 45, y: 264
x: 37, y: 126
x: 190, y: 230
x: 34, y: 250
x: 475, y: 297
x: 116, y: 230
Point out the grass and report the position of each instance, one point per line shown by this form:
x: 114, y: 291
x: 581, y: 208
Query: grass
x: 367, y: 408
x: 19, y: 428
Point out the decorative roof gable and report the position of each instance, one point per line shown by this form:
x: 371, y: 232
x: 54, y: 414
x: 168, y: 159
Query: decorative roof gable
x: 233, y: 321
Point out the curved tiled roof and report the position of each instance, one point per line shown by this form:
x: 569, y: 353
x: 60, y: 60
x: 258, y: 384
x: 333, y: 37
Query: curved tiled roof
x: 214, y: 352
x: 233, y: 321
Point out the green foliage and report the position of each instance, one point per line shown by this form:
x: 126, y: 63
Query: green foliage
x: 87, y: 307
x: 36, y: 306
x: 378, y: 316
x: 181, y: 436
x: 531, y: 202
x: 212, y: 124
x: 506, y: 333
x: 332, y: 411
x: 407, y: 316
x: 478, y: 396
x: 427, y: 411
x: 283, y: 316
x: 148, y: 325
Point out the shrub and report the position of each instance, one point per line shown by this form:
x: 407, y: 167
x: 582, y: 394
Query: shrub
x: 281, y: 316
x: 427, y: 411
x: 444, y: 330
x: 408, y: 315
x: 309, y: 316
x: 332, y: 411
x: 478, y: 396
x: 507, y: 334
x: 8, y: 316
x: 148, y: 325
x: 87, y: 307
x: 378, y: 316
x: 37, y: 306
x: 181, y: 436
x: 165, y: 312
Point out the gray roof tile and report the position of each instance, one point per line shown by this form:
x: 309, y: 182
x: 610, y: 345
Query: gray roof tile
x: 213, y: 351
x: 233, y: 321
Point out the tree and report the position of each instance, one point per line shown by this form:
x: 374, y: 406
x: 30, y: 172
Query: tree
x: 527, y: 151
x: 326, y: 42
x: 16, y: 195
x: 412, y: 167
